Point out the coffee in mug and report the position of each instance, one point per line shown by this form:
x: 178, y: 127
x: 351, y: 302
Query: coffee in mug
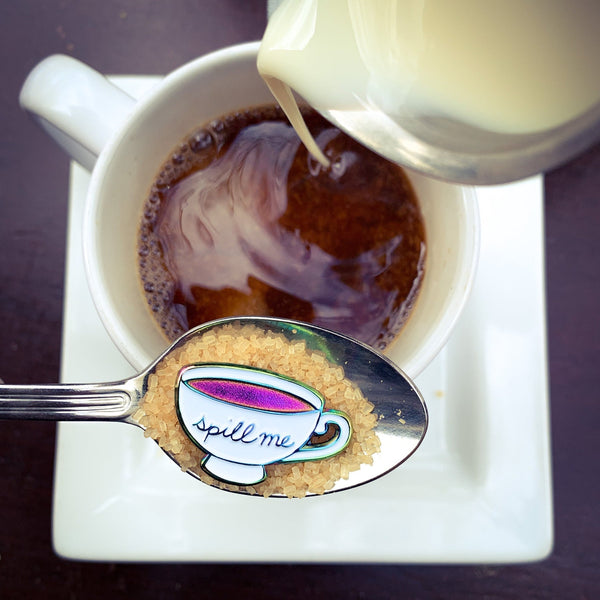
x: 242, y: 220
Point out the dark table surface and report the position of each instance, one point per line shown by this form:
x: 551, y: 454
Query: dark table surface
x: 154, y: 37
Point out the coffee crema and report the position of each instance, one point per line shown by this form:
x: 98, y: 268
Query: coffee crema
x: 243, y: 221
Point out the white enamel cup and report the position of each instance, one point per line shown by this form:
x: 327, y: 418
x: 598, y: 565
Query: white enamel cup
x: 240, y: 438
x: 125, y: 142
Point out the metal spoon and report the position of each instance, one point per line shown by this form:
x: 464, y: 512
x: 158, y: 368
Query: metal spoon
x: 380, y: 381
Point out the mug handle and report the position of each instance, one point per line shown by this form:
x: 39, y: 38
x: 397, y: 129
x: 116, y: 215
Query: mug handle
x: 333, y: 446
x: 77, y: 106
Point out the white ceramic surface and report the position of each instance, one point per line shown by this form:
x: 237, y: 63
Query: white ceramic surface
x: 478, y: 490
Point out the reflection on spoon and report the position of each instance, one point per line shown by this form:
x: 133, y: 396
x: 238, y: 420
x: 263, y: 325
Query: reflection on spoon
x: 257, y: 406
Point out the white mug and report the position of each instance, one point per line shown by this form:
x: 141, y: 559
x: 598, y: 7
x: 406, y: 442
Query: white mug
x: 125, y: 143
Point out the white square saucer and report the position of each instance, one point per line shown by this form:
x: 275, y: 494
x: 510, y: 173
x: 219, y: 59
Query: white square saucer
x: 478, y: 490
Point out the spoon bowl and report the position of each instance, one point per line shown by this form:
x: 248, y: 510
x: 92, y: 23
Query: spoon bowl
x: 401, y: 414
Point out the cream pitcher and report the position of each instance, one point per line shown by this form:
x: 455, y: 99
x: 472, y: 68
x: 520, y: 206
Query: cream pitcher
x: 468, y: 91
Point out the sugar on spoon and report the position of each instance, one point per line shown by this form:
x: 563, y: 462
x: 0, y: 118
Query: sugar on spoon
x: 244, y: 418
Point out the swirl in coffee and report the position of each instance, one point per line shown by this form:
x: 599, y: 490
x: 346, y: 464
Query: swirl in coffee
x: 242, y: 220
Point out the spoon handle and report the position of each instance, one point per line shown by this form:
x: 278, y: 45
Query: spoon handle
x: 68, y: 402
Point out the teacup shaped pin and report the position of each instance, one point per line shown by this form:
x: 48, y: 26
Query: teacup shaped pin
x: 244, y: 418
